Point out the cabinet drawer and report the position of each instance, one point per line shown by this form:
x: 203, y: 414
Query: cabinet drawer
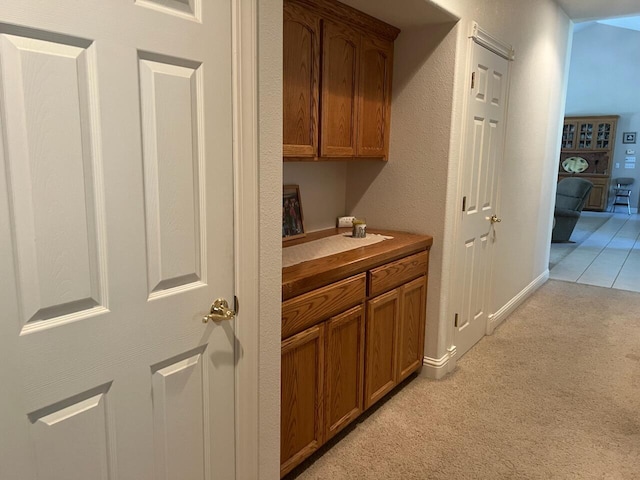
x: 396, y: 273
x: 306, y: 310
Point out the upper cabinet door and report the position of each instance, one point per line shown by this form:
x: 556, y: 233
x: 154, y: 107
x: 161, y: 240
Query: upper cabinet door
x: 605, y: 134
x: 341, y: 48
x: 569, y: 135
x: 301, y: 39
x: 585, y: 135
x: 376, y: 66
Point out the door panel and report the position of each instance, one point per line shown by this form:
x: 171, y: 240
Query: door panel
x: 482, y: 158
x: 72, y: 439
x: 376, y: 65
x: 340, y: 60
x: 597, y: 199
x: 55, y: 218
x: 413, y: 308
x: 302, y: 370
x: 113, y: 121
x: 178, y: 416
x: 344, y: 370
x: 301, y: 69
x: 173, y: 166
x: 382, y: 346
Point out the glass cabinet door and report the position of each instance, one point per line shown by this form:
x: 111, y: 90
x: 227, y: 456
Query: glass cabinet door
x: 604, y: 132
x: 585, y: 136
x: 569, y: 136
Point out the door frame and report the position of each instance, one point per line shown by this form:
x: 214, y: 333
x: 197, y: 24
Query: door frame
x: 246, y: 233
x: 477, y: 35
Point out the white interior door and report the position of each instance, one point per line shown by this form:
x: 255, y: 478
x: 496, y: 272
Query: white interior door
x: 484, y: 143
x: 116, y: 228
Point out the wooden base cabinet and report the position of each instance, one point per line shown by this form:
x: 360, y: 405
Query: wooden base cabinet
x: 395, y: 337
x: 597, y: 199
x: 413, y: 307
x: 344, y: 369
x: 346, y: 345
x: 382, y: 346
x: 302, y: 392
x: 322, y: 384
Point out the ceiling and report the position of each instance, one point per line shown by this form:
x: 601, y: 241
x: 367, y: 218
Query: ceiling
x: 582, y: 10
x: 423, y: 12
x: 413, y: 13
x: 632, y: 23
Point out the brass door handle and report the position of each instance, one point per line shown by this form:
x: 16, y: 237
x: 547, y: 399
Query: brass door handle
x: 220, y: 311
x: 495, y: 219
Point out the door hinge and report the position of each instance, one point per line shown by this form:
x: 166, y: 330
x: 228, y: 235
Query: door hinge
x: 455, y: 322
x: 473, y: 80
x: 464, y: 204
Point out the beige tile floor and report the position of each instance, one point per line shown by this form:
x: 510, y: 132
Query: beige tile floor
x: 609, y: 257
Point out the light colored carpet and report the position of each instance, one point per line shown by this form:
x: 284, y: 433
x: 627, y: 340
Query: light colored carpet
x: 588, y: 223
x: 553, y: 394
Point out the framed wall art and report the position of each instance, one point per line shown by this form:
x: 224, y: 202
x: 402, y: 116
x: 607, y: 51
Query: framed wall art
x: 629, y: 137
x: 292, y: 218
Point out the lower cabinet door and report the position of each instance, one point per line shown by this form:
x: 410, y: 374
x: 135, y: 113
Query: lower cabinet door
x: 382, y: 345
x: 597, y: 199
x: 413, y: 304
x: 344, y: 370
x: 302, y: 384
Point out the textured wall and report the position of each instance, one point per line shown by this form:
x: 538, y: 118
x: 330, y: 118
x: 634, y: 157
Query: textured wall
x: 604, y: 79
x: 536, y: 103
x: 417, y: 190
x: 270, y: 175
x: 409, y: 192
x: 322, y: 190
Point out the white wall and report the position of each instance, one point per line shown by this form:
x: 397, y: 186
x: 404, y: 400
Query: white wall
x: 322, y: 190
x: 604, y: 79
x: 409, y: 192
x: 270, y: 198
x: 417, y: 189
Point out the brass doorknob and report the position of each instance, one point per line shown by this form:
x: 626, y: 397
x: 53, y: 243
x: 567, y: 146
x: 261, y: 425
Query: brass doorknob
x: 220, y: 311
x: 495, y: 219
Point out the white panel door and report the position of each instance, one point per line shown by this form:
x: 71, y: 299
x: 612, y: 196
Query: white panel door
x: 480, y: 175
x: 116, y: 226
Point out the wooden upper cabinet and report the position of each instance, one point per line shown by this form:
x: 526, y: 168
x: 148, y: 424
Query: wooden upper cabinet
x: 605, y: 135
x: 376, y: 66
x: 569, y: 135
x: 591, y: 138
x: 589, y: 133
x: 341, y: 48
x: 338, y: 66
x: 301, y: 54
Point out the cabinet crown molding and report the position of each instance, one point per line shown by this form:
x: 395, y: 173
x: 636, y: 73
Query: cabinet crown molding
x: 343, y: 13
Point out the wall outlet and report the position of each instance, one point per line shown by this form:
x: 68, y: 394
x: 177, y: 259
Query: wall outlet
x: 345, y: 221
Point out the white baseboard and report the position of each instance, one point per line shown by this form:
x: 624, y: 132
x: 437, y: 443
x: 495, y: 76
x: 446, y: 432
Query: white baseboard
x: 436, y: 368
x: 498, y: 317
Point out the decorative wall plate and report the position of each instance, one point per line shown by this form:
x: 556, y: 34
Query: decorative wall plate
x: 575, y: 164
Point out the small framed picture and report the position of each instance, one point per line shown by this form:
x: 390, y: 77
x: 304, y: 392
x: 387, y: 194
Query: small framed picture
x: 629, y: 137
x: 292, y: 219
